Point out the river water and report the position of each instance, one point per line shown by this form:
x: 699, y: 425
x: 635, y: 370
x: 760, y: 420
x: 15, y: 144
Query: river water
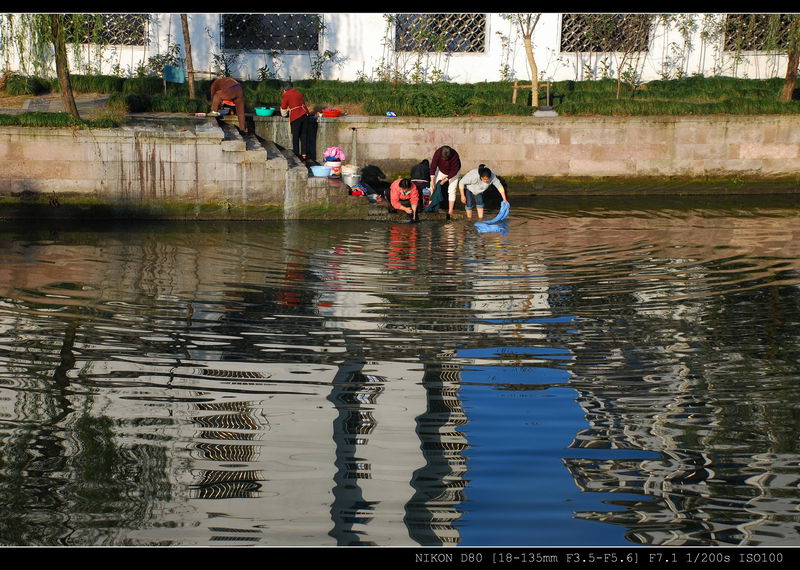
x: 602, y: 372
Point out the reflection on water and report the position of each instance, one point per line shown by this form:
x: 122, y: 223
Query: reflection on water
x: 623, y: 373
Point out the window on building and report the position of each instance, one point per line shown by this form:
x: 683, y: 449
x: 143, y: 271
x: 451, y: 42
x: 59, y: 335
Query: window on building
x: 605, y: 32
x: 440, y: 32
x: 254, y: 32
x: 107, y: 29
x: 757, y: 32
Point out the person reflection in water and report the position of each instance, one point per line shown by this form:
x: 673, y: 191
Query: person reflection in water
x: 403, y: 246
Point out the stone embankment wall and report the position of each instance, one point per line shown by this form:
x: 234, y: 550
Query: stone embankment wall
x: 558, y: 147
x: 194, y: 161
x: 206, y: 161
x: 166, y: 162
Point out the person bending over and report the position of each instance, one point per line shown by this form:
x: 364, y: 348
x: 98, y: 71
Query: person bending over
x: 445, y: 168
x: 474, y: 183
x: 230, y: 89
x: 404, y: 196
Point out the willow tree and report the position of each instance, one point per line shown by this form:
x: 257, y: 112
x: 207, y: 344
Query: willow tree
x: 525, y: 25
x: 40, y: 39
x: 793, y: 49
x: 57, y: 37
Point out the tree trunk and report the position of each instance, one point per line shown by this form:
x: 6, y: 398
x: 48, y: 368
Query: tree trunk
x: 794, y: 62
x: 526, y: 40
x: 62, y: 65
x: 188, y: 47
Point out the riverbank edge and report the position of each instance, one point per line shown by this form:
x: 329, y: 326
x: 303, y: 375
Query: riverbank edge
x: 78, y: 206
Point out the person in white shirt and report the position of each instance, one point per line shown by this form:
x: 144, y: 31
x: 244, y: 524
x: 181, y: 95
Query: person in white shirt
x: 473, y: 184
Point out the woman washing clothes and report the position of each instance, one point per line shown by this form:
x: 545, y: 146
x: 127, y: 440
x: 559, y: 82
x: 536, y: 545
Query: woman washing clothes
x: 302, y: 122
x: 405, y: 196
x: 229, y: 89
x: 445, y: 168
x: 474, y: 183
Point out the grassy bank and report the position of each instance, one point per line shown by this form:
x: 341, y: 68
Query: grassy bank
x: 56, y: 120
x: 689, y: 96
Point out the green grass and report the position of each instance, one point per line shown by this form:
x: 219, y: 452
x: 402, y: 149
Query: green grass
x: 143, y: 103
x: 695, y: 95
x: 55, y: 120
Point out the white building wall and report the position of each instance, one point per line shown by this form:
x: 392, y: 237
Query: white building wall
x: 359, y: 38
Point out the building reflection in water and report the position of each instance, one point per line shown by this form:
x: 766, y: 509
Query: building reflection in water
x: 309, y: 393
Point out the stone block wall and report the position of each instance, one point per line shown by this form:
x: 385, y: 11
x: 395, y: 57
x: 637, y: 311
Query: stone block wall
x: 558, y: 147
x: 141, y: 163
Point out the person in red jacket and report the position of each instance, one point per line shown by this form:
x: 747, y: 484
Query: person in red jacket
x: 302, y: 122
x: 445, y: 168
x: 404, y: 196
x: 228, y: 88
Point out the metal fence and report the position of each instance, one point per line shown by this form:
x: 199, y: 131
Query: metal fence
x: 605, y: 32
x: 757, y: 32
x: 440, y: 32
x: 253, y: 32
x: 107, y: 29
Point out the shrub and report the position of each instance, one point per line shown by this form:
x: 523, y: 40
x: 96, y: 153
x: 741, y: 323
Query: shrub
x: 144, y: 85
x: 142, y: 103
x: 96, y: 83
x: 16, y: 84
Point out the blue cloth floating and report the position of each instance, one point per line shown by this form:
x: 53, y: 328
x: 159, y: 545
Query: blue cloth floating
x: 505, y: 208
x: 496, y: 224
x: 173, y: 74
x: 486, y: 228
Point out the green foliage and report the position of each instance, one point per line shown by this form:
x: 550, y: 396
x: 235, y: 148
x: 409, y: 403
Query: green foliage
x: 144, y: 85
x: 16, y: 84
x: 695, y: 95
x: 144, y: 103
x: 95, y: 83
x: 162, y: 104
x: 155, y: 63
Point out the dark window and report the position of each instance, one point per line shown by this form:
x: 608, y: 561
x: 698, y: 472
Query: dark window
x: 440, y: 32
x: 757, y: 32
x: 605, y: 32
x: 107, y: 29
x: 271, y: 31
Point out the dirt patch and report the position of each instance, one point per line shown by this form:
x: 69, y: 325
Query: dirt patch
x: 13, y: 101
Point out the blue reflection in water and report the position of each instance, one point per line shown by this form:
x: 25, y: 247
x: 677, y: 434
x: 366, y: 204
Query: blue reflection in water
x: 521, y: 422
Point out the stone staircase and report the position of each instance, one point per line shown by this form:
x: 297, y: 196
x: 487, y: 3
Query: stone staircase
x: 301, y: 194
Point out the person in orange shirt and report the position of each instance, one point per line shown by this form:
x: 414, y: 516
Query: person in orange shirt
x: 230, y: 89
x: 302, y: 122
x: 404, y: 196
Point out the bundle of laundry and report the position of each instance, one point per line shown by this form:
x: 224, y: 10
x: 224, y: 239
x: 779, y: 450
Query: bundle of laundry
x: 333, y: 154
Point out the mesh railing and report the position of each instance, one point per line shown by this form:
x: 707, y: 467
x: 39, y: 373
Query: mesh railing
x: 271, y: 31
x: 757, y: 32
x: 440, y: 32
x: 605, y: 32
x: 107, y: 29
